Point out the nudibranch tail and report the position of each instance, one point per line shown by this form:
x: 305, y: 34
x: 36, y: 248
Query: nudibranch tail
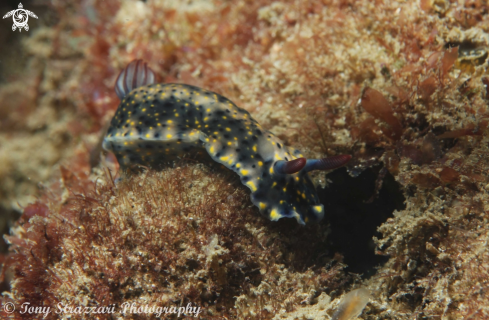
x: 135, y: 75
x: 327, y: 163
x: 290, y: 167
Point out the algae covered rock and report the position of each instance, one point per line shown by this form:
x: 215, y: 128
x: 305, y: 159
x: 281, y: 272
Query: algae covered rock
x: 165, y: 239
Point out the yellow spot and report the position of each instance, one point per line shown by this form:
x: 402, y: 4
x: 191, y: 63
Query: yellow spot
x: 274, y: 184
x: 228, y: 129
x: 284, y: 189
x: 244, y: 172
x: 238, y: 165
x: 224, y: 117
x: 132, y: 123
x: 196, y: 122
x: 176, y: 114
x: 296, y: 178
x: 260, y: 163
x: 271, y: 170
x: 229, y: 143
x: 254, y: 148
x: 274, y: 215
x: 117, y: 134
x: 303, y: 195
x: 128, y: 121
x: 206, y: 118
x: 250, y: 133
x: 169, y: 121
x: 147, y: 135
x: 144, y: 109
x: 230, y: 162
x: 125, y: 143
x: 224, y: 158
x: 208, y: 110
x: 131, y: 134
x: 169, y: 136
x: 262, y: 205
x: 252, y: 186
x: 211, y: 149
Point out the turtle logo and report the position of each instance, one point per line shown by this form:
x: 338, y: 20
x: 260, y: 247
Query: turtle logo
x: 20, y: 16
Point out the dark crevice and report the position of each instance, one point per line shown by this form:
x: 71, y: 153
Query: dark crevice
x: 354, y: 222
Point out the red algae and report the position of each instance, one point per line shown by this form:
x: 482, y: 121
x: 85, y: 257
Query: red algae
x: 377, y: 105
x: 108, y: 244
x: 35, y: 209
x: 448, y: 60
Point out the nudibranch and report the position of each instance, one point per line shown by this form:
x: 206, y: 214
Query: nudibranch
x: 156, y: 123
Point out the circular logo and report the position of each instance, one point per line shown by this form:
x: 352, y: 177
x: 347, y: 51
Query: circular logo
x: 20, y: 18
x: 9, y: 307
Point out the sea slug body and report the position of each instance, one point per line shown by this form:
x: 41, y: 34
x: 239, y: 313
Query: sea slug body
x: 155, y: 123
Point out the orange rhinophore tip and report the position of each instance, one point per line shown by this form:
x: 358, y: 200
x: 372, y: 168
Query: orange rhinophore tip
x: 352, y: 304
